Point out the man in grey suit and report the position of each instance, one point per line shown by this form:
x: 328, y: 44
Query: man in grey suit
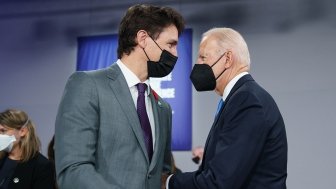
x: 112, y: 130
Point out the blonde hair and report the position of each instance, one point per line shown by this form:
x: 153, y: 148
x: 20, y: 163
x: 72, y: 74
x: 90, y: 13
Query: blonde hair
x: 229, y: 39
x: 30, y: 143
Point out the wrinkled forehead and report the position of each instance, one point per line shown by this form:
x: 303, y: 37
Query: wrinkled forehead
x: 208, y: 44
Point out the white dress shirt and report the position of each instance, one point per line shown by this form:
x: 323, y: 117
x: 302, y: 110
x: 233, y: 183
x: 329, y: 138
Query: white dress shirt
x: 230, y: 85
x: 132, y: 80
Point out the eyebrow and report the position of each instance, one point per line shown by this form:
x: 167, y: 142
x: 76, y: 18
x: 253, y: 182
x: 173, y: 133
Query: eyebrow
x: 172, y: 41
x: 203, y: 54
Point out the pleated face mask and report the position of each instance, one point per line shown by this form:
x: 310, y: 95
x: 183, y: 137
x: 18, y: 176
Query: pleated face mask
x: 6, y: 142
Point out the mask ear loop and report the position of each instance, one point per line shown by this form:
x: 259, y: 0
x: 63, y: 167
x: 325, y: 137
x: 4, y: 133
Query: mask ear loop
x: 217, y: 60
x: 156, y: 43
x: 146, y: 54
x: 220, y: 74
x: 25, y: 124
x: 216, y: 63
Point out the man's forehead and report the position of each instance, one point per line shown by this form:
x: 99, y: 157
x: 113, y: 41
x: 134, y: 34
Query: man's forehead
x: 207, y: 44
x: 169, y: 32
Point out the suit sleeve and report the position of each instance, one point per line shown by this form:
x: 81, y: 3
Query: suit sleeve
x: 76, y: 129
x: 239, y: 142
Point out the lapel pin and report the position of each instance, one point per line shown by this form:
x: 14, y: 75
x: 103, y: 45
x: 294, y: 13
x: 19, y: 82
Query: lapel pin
x: 16, y: 180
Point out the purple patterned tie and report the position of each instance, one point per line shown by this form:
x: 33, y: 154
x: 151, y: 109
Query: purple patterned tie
x: 144, y: 121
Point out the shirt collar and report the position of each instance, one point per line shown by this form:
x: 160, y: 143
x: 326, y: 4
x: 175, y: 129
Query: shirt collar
x: 131, y: 78
x: 230, y: 85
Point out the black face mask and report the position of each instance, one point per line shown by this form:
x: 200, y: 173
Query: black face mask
x: 162, y: 67
x: 203, y: 78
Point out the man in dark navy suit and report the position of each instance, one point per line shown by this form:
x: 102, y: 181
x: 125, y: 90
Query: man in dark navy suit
x: 247, y: 145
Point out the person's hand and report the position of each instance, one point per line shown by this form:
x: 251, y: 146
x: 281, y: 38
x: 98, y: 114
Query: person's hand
x: 197, y: 153
x: 164, y: 177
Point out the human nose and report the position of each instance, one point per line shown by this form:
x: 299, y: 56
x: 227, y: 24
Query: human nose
x: 200, y: 61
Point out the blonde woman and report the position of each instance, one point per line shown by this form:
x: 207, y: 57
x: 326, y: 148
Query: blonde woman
x: 22, y: 166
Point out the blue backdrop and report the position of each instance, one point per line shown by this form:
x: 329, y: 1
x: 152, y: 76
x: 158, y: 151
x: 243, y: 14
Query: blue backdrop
x: 95, y: 52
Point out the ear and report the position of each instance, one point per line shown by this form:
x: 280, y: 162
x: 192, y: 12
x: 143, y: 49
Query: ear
x: 23, y: 131
x: 141, y: 38
x: 229, y: 59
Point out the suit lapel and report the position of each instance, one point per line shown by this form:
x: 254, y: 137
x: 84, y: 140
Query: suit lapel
x: 157, y: 108
x: 239, y: 83
x: 122, y: 93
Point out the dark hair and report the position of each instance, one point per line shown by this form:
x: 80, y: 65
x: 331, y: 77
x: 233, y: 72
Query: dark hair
x: 152, y: 19
x: 51, y: 151
x: 51, y: 157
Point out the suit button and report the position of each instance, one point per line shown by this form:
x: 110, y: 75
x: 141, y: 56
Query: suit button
x: 149, y: 176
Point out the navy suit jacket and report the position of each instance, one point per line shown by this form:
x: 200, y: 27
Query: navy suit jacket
x: 246, y: 147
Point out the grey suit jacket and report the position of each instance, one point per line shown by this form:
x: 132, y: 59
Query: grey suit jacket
x: 98, y: 137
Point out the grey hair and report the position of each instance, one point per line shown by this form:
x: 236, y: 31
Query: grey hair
x: 228, y: 38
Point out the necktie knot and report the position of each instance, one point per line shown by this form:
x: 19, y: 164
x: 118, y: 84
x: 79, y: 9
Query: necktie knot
x: 142, y: 87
